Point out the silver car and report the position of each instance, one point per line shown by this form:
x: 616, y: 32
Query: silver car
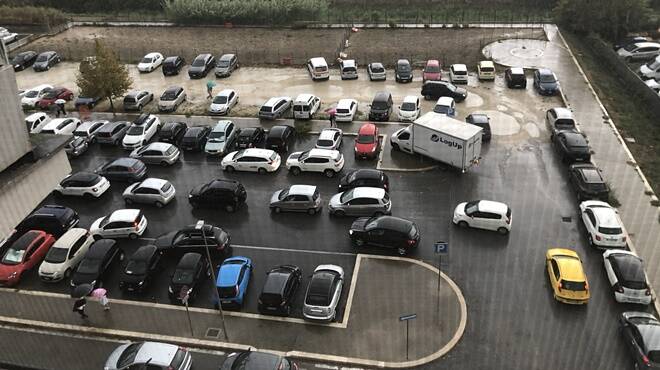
x: 112, y: 133
x: 275, y: 107
x: 329, y: 138
x: 297, y: 198
x: 157, y: 153
x: 154, y: 191
x: 323, y: 293
x: 136, y: 100
x: 149, y: 355
x: 88, y: 129
x: 221, y: 138
x: 171, y: 99
x: 362, y: 201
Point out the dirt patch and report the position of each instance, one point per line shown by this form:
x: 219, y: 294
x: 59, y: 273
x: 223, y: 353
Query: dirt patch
x: 254, y: 46
x: 418, y: 45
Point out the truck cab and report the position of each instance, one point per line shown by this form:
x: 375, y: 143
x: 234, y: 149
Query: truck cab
x: 402, y: 140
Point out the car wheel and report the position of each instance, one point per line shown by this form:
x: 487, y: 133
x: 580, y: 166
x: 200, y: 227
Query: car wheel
x: 590, y: 241
x: 463, y: 224
x: 67, y: 273
x: 295, y: 171
x: 359, y: 242
x: 159, y: 204
x: 132, y: 236
x: 329, y: 173
x: 262, y: 171
x: 378, y: 214
x: 229, y: 208
x: 395, y: 146
x: 97, y: 237
x: 277, y: 209
x: 229, y: 169
x: 401, y: 251
x: 311, y: 211
x: 503, y: 230
x: 340, y: 213
x: 164, y: 163
x: 116, y: 142
x: 128, y: 201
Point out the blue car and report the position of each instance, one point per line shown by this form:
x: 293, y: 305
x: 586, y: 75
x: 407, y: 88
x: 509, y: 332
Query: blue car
x: 232, y: 282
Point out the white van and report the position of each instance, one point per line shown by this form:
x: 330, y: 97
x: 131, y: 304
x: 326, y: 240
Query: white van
x: 651, y: 69
x: 36, y: 121
x: 305, y: 106
x: 318, y: 68
x: 348, y: 69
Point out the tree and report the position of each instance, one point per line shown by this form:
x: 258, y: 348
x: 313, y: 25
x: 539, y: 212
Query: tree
x: 609, y: 18
x: 103, y: 75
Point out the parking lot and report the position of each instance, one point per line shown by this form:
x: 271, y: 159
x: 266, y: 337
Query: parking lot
x: 513, y: 320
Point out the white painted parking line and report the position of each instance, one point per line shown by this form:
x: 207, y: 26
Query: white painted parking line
x: 239, y: 246
x: 147, y: 239
x: 351, y: 291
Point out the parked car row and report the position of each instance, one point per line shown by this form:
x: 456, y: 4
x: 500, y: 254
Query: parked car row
x: 223, y: 66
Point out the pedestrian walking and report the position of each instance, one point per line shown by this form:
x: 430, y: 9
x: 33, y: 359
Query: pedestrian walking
x: 333, y: 120
x: 79, y: 307
x: 209, y: 89
x: 102, y: 296
x: 60, y: 107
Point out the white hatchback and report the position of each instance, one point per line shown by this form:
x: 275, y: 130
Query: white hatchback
x: 604, y: 227
x: 329, y: 138
x: 122, y: 223
x: 224, y: 102
x: 409, y: 110
x: 63, y: 256
x: 625, y: 271
x: 252, y: 160
x: 36, y: 121
x: 141, y: 132
x: 484, y: 214
x: 328, y: 162
x: 61, y: 126
x: 150, y: 62
x: 83, y: 184
x: 346, y: 110
x: 31, y: 97
x: 458, y: 73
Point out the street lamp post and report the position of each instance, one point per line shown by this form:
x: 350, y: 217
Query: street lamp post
x: 200, y: 226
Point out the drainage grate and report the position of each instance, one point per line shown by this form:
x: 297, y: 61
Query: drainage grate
x: 213, y: 332
x: 567, y: 219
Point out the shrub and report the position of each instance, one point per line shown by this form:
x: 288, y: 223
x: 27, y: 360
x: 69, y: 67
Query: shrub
x: 243, y: 11
x: 91, y: 6
x: 31, y: 15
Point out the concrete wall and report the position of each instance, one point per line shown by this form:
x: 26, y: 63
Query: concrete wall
x: 14, y: 140
x: 19, y: 196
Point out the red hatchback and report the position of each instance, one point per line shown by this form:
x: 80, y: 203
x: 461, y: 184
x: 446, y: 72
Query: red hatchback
x: 22, y: 255
x: 432, y: 71
x: 367, y: 144
x: 53, y: 94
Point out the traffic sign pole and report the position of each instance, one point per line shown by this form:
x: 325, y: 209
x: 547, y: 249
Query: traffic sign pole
x: 441, y: 248
x: 407, y: 319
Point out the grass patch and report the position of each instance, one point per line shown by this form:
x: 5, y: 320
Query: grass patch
x: 629, y: 115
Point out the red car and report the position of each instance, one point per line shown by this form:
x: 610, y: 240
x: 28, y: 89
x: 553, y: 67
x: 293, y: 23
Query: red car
x: 432, y: 71
x: 22, y: 255
x: 367, y: 144
x: 53, y: 94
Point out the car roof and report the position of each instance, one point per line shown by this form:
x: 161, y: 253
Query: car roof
x: 53, y: 123
x: 99, y: 248
x: 171, y: 59
x: 143, y: 252
x: 479, y: 118
x: 403, y: 61
x: 125, y: 162
x: 256, y: 152
x: 226, y: 57
x: 55, y: 210
x: 445, y: 100
x: 26, y: 239
x: 308, y: 190
x: 368, y: 192
x: 328, y: 133
x: 367, y: 173
x: 376, y: 64
x: 570, y: 267
x: 348, y: 62
x: 173, y: 89
x: 394, y: 223
x: 153, y: 183
x: 318, y: 60
x: 170, y: 125
x: 517, y: 71
x: 126, y: 215
x: 83, y: 176
x: 277, y: 130
x: 276, y: 280
x: 156, y: 353
x: 203, y: 56
x: 69, y: 237
x: 324, y: 153
x: 544, y: 71
x: 221, y: 126
x: 321, y: 283
x: 432, y: 62
x: 226, y: 92
x: 34, y: 116
x: 367, y: 129
x: 486, y: 63
x: 646, y: 44
x: 159, y: 146
x: 230, y: 270
x: 85, y: 126
x: 152, y: 55
x: 628, y: 264
x: 303, y: 98
x: 195, y: 130
x: 382, y: 95
x: 189, y: 260
x: 574, y: 138
x: 50, y: 52
x: 111, y: 125
x: 591, y: 174
x: 459, y: 67
x: 563, y: 113
x: 606, y: 217
x: 491, y: 206
x: 410, y: 99
x: 345, y: 103
x: 272, y: 101
x: 224, y: 184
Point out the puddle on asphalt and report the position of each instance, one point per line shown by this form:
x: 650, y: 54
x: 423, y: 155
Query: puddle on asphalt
x: 532, y: 129
x: 473, y: 100
x: 502, y: 108
x: 502, y: 124
x: 518, y: 115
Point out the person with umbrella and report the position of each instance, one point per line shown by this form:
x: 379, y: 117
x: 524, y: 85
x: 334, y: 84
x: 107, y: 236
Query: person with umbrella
x: 209, y: 88
x: 60, y: 106
x: 102, y: 296
x: 331, y: 113
x: 80, y: 292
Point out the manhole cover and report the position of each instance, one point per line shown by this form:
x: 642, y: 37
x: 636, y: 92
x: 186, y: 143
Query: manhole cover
x: 213, y: 333
x: 567, y: 219
x: 522, y: 52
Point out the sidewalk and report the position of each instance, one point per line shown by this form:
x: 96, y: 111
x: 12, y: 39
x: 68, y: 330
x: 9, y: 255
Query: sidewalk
x: 369, y: 334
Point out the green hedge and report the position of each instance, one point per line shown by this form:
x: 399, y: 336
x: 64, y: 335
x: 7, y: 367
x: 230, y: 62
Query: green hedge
x: 91, y: 6
x: 243, y: 11
x: 31, y: 15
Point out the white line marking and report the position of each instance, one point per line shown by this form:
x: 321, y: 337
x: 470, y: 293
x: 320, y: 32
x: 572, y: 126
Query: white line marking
x: 351, y: 291
x: 323, y: 366
x: 239, y: 246
x: 147, y: 239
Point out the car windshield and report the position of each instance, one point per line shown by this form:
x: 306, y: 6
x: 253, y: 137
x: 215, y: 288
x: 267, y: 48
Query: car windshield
x: 366, y: 139
x: 404, y: 67
x: 88, y: 266
x: 56, y: 255
x: 324, y: 142
x: 128, y: 356
x: 547, y: 78
x: 135, y: 130
x: 342, y: 110
x: 471, y: 207
x: 31, y: 94
x: 168, y: 95
x: 50, y: 94
x: 217, y: 136
x: 451, y: 87
x: 408, y: 106
x: 630, y: 47
x: 610, y: 230
x: 441, y: 109
x: 317, y: 300
x: 13, y: 256
x: 42, y: 58
x: 223, y: 63
x: 565, y: 123
x: 147, y: 60
x: 432, y: 69
x: 347, y: 196
x: 80, y: 133
x: 220, y: 99
x: 136, y: 267
x: 371, y: 223
x: 653, y: 64
x: 199, y: 62
x: 17, y: 59
x: 283, y: 194
x: 573, y: 285
x: 183, y: 276
x: 377, y: 69
x: 379, y: 105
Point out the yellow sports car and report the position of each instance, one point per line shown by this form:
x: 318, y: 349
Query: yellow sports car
x: 567, y: 278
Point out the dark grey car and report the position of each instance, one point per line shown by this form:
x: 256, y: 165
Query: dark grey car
x: 641, y: 333
x: 112, y: 132
x: 297, y: 198
x: 226, y: 64
x: 123, y: 169
x: 46, y: 60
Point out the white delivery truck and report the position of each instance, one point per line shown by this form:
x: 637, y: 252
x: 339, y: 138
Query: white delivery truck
x: 442, y: 138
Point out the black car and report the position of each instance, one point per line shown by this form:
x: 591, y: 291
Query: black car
x: 572, y: 146
x: 228, y: 194
x: 201, y: 66
x: 46, y: 60
x: 140, y: 269
x: 255, y: 360
x: 86, y: 101
x: 101, y: 254
x: 23, y: 60
x: 76, y: 146
x: 482, y: 121
x: 190, y: 272
x: 172, y: 132
x: 123, y: 169
x: 250, y: 137
x: 193, y: 238
x: 545, y: 82
x: 282, y: 283
x: 385, y: 231
x: 641, y: 333
x: 515, y: 77
x: 403, y: 71
x: 622, y: 43
x: 279, y: 137
x: 381, y: 106
x: 53, y: 219
x: 195, y: 138
x: 436, y: 89
x: 588, y: 182
x: 172, y: 65
x: 364, y: 177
